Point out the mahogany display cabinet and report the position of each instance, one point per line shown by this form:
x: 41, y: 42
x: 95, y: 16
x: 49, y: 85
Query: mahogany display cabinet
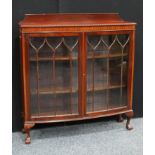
x: 76, y: 67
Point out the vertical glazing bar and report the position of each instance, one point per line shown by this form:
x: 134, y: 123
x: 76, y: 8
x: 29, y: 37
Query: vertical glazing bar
x: 54, y: 82
x: 121, y: 89
x: 93, y: 81
x: 38, y: 82
x: 71, y: 97
x: 53, y: 73
x: 107, y: 93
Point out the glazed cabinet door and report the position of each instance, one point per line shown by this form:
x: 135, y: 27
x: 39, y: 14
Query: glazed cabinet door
x: 107, y: 71
x: 53, y: 72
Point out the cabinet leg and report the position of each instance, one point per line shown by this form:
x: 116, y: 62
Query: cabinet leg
x: 27, y: 127
x: 120, y: 118
x: 28, y: 138
x: 128, y: 125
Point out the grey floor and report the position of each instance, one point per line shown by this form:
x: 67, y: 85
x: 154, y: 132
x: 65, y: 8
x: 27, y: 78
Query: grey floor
x: 97, y: 138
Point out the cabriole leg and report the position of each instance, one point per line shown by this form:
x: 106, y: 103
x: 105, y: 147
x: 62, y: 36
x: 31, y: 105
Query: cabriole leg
x: 128, y: 125
x: 129, y: 116
x: 27, y: 127
x: 28, y: 138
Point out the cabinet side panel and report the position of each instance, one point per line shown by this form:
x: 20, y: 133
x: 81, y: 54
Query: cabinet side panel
x: 25, y: 76
x: 131, y: 69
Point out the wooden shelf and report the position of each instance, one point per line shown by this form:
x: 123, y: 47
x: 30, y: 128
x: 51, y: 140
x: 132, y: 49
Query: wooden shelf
x: 47, y: 91
x: 106, y: 56
x: 50, y: 59
x: 76, y: 58
x: 55, y: 91
x: 100, y: 87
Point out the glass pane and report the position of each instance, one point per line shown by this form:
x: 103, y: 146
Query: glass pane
x: 47, y: 104
x: 100, y: 100
x: 89, y: 101
x: 124, y: 70
x: 116, y: 47
x: 107, y: 61
x: 89, y: 73
x: 124, y: 81
x: 45, y: 75
x: 115, y: 71
x: 53, y: 75
x: 124, y: 96
x: 114, y: 98
x: 100, y: 72
x: 62, y: 74
x: 96, y: 74
x: 33, y: 88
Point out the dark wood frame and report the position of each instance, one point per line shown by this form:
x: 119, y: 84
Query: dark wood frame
x: 81, y: 31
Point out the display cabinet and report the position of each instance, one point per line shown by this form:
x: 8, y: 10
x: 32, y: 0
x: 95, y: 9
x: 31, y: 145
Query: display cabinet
x: 76, y: 67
